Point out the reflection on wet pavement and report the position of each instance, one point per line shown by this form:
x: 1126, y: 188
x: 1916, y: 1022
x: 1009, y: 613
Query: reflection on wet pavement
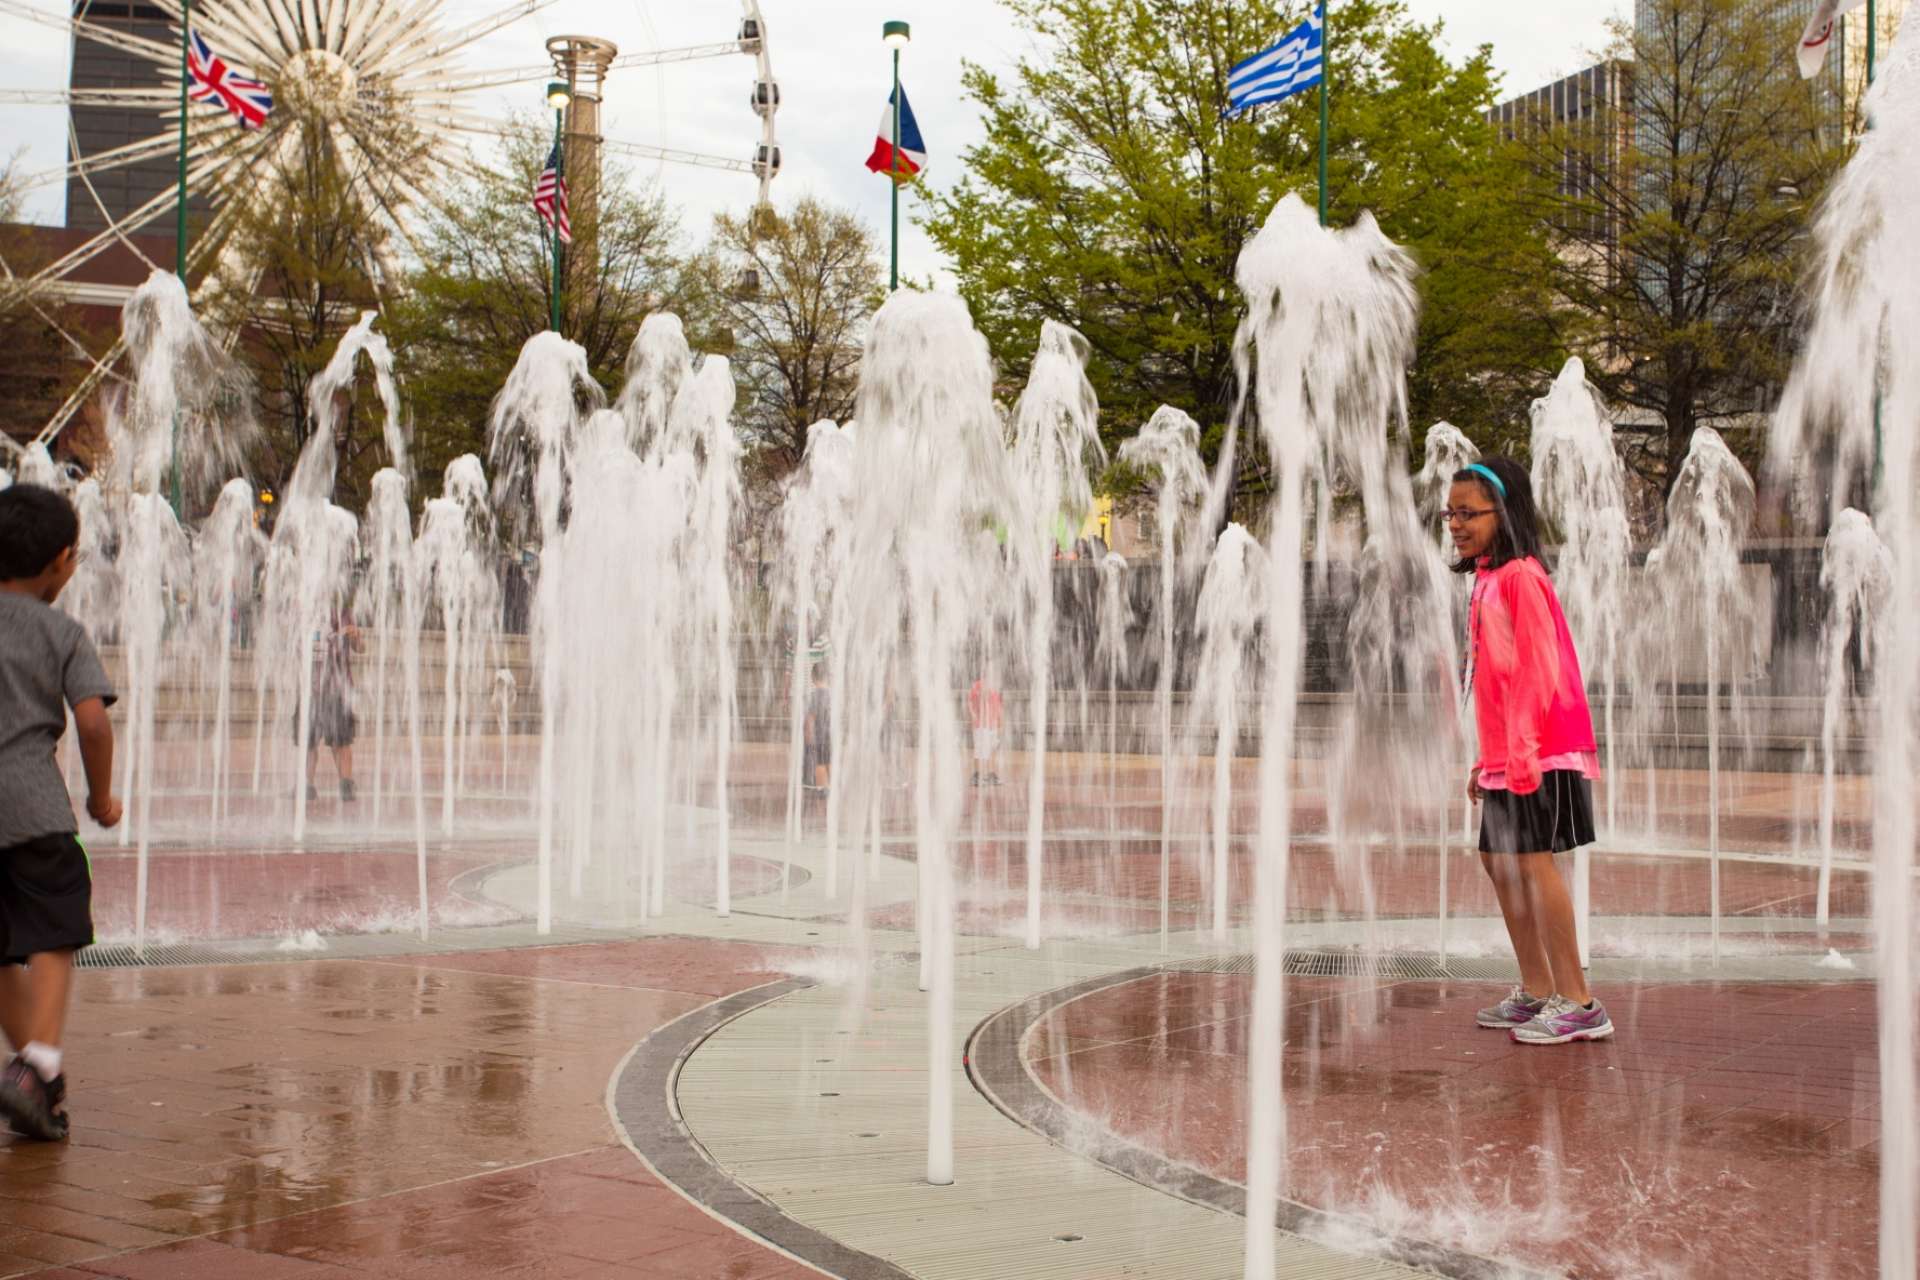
x: 434, y: 1117
x: 1725, y: 1131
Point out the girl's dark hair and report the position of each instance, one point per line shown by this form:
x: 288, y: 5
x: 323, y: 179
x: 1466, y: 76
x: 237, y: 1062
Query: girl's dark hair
x: 36, y: 524
x: 1519, y: 533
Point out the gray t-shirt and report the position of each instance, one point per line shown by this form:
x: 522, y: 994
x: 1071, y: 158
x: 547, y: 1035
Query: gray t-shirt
x: 47, y: 664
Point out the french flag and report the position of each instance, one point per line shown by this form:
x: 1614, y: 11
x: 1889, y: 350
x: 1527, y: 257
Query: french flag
x: 912, y: 157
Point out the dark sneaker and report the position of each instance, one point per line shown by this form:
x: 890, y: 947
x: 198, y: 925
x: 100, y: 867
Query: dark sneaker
x: 346, y: 791
x: 1562, y: 1020
x: 32, y: 1106
x: 1517, y: 1010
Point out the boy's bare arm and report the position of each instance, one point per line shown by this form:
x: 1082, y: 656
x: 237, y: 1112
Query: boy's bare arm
x: 95, y: 732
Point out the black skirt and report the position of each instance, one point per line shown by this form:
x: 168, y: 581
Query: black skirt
x: 1555, y: 818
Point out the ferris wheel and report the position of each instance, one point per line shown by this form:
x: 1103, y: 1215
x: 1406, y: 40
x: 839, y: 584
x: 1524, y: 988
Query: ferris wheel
x: 385, y: 81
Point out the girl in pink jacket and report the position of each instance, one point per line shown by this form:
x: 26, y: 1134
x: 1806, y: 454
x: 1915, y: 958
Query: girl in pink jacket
x: 1533, y: 779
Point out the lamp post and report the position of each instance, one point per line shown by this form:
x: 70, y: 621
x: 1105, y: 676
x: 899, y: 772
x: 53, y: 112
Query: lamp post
x: 896, y: 36
x: 558, y: 96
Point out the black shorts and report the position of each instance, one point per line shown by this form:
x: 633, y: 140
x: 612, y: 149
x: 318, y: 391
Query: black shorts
x: 1555, y: 818
x: 46, y: 897
x: 333, y: 723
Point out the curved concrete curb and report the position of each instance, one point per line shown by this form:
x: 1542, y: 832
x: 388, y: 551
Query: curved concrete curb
x: 642, y: 1098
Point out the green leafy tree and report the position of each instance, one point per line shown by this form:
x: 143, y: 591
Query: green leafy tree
x: 1682, y: 244
x: 483, y: 286
x: 300, y: 263
x: 791, y: 295
x: 1111, y: 195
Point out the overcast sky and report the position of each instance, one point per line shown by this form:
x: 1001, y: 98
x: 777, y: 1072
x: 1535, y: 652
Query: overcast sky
x: 834, y: 79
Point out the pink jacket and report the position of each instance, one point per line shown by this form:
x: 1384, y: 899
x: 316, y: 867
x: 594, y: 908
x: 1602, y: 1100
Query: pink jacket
x: 1528, y: 698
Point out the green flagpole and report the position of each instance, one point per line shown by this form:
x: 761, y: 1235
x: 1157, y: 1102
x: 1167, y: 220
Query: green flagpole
x: 893, y: 272
x: 559, y: 177
x: 180, y: 236
x: 895, y: 35
x: 1326, y: 71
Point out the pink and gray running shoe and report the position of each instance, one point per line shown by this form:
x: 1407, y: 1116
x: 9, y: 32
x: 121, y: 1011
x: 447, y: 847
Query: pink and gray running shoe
x: 1517, y: 1010
x: 1562, y: 1020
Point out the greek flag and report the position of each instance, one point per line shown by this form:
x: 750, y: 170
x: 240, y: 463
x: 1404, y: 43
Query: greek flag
x: 1294, y: 64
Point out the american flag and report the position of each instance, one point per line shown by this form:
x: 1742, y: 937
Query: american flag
x: 214, y: 81
x: 550, y: 198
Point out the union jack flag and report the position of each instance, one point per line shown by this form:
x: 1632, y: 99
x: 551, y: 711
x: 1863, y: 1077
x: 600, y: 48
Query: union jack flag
x: 212, y: 80
x: 550, y: 198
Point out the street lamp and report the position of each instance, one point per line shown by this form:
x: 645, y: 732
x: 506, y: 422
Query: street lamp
x: 896, y: 36
x: 558, y: 96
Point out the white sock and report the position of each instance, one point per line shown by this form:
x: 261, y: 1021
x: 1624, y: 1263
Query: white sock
x: 43, y: 1058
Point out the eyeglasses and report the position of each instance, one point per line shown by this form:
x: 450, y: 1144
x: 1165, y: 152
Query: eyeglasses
x: 1460, y: 515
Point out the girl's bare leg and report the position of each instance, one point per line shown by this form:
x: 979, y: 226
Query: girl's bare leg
x: 1552, y: 908
x: 1510, y: 886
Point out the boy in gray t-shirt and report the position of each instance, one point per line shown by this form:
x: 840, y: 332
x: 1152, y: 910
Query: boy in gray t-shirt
x: 47, y: 664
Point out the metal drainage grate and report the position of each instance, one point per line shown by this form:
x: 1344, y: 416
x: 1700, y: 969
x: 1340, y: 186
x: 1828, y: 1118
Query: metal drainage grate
x: 1363, y: 964
x: 124, y: 955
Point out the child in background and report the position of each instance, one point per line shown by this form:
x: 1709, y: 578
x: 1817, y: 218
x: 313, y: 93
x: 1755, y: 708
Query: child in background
x: 987, y: 714
x: 819, y: 730
x: 46, y: 889
x: 1537, y: 759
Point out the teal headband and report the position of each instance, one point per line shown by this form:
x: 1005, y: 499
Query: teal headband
x: 1499, y: 486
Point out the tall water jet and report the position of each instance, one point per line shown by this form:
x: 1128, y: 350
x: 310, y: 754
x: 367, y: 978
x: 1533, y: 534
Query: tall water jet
x: 454, y: 567
x: 386, y: 603
x: 168, y: 430
x: 701, y: 424
x: 1056, y: 435
x: 1168, y: 447
x: 1855, y: 398
x: 530, y: 432
x: 1445, y: 452
x: 225, y: 558
x: 1115, y: 621
x: 813, y: 518
x: 1580, y: 485
x: 1697, y: 568
x: 933, y: 481
x: 1231, y: 604
x: 1856, y: 577
x: 1330, y: 332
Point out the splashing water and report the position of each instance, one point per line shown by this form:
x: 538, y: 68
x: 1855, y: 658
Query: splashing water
x: 934, y: 481
x: 1055, y: 436
x: 1169, y: 445
x: 226, y: 555
x: 1447, y: 451
x: 1856, y: 576
x: 1697, y: 571
x: 1330, y: 333
x: 1866, y: 313
x: 1231, y: 604
x: 1579, y: 483
x: 530, y: 432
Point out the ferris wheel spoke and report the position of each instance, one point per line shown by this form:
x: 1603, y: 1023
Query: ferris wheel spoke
x: 230, y: 30
x: 644, y: 151
x: 151, y: 49
x: 454, y: 41
x: 102, y: 161
x: 200, y: 168
x: 399, y: 22
x: 87, y: 97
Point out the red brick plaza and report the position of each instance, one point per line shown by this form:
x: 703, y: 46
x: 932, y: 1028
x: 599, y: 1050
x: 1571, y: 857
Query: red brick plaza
x: 345, y: 1108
